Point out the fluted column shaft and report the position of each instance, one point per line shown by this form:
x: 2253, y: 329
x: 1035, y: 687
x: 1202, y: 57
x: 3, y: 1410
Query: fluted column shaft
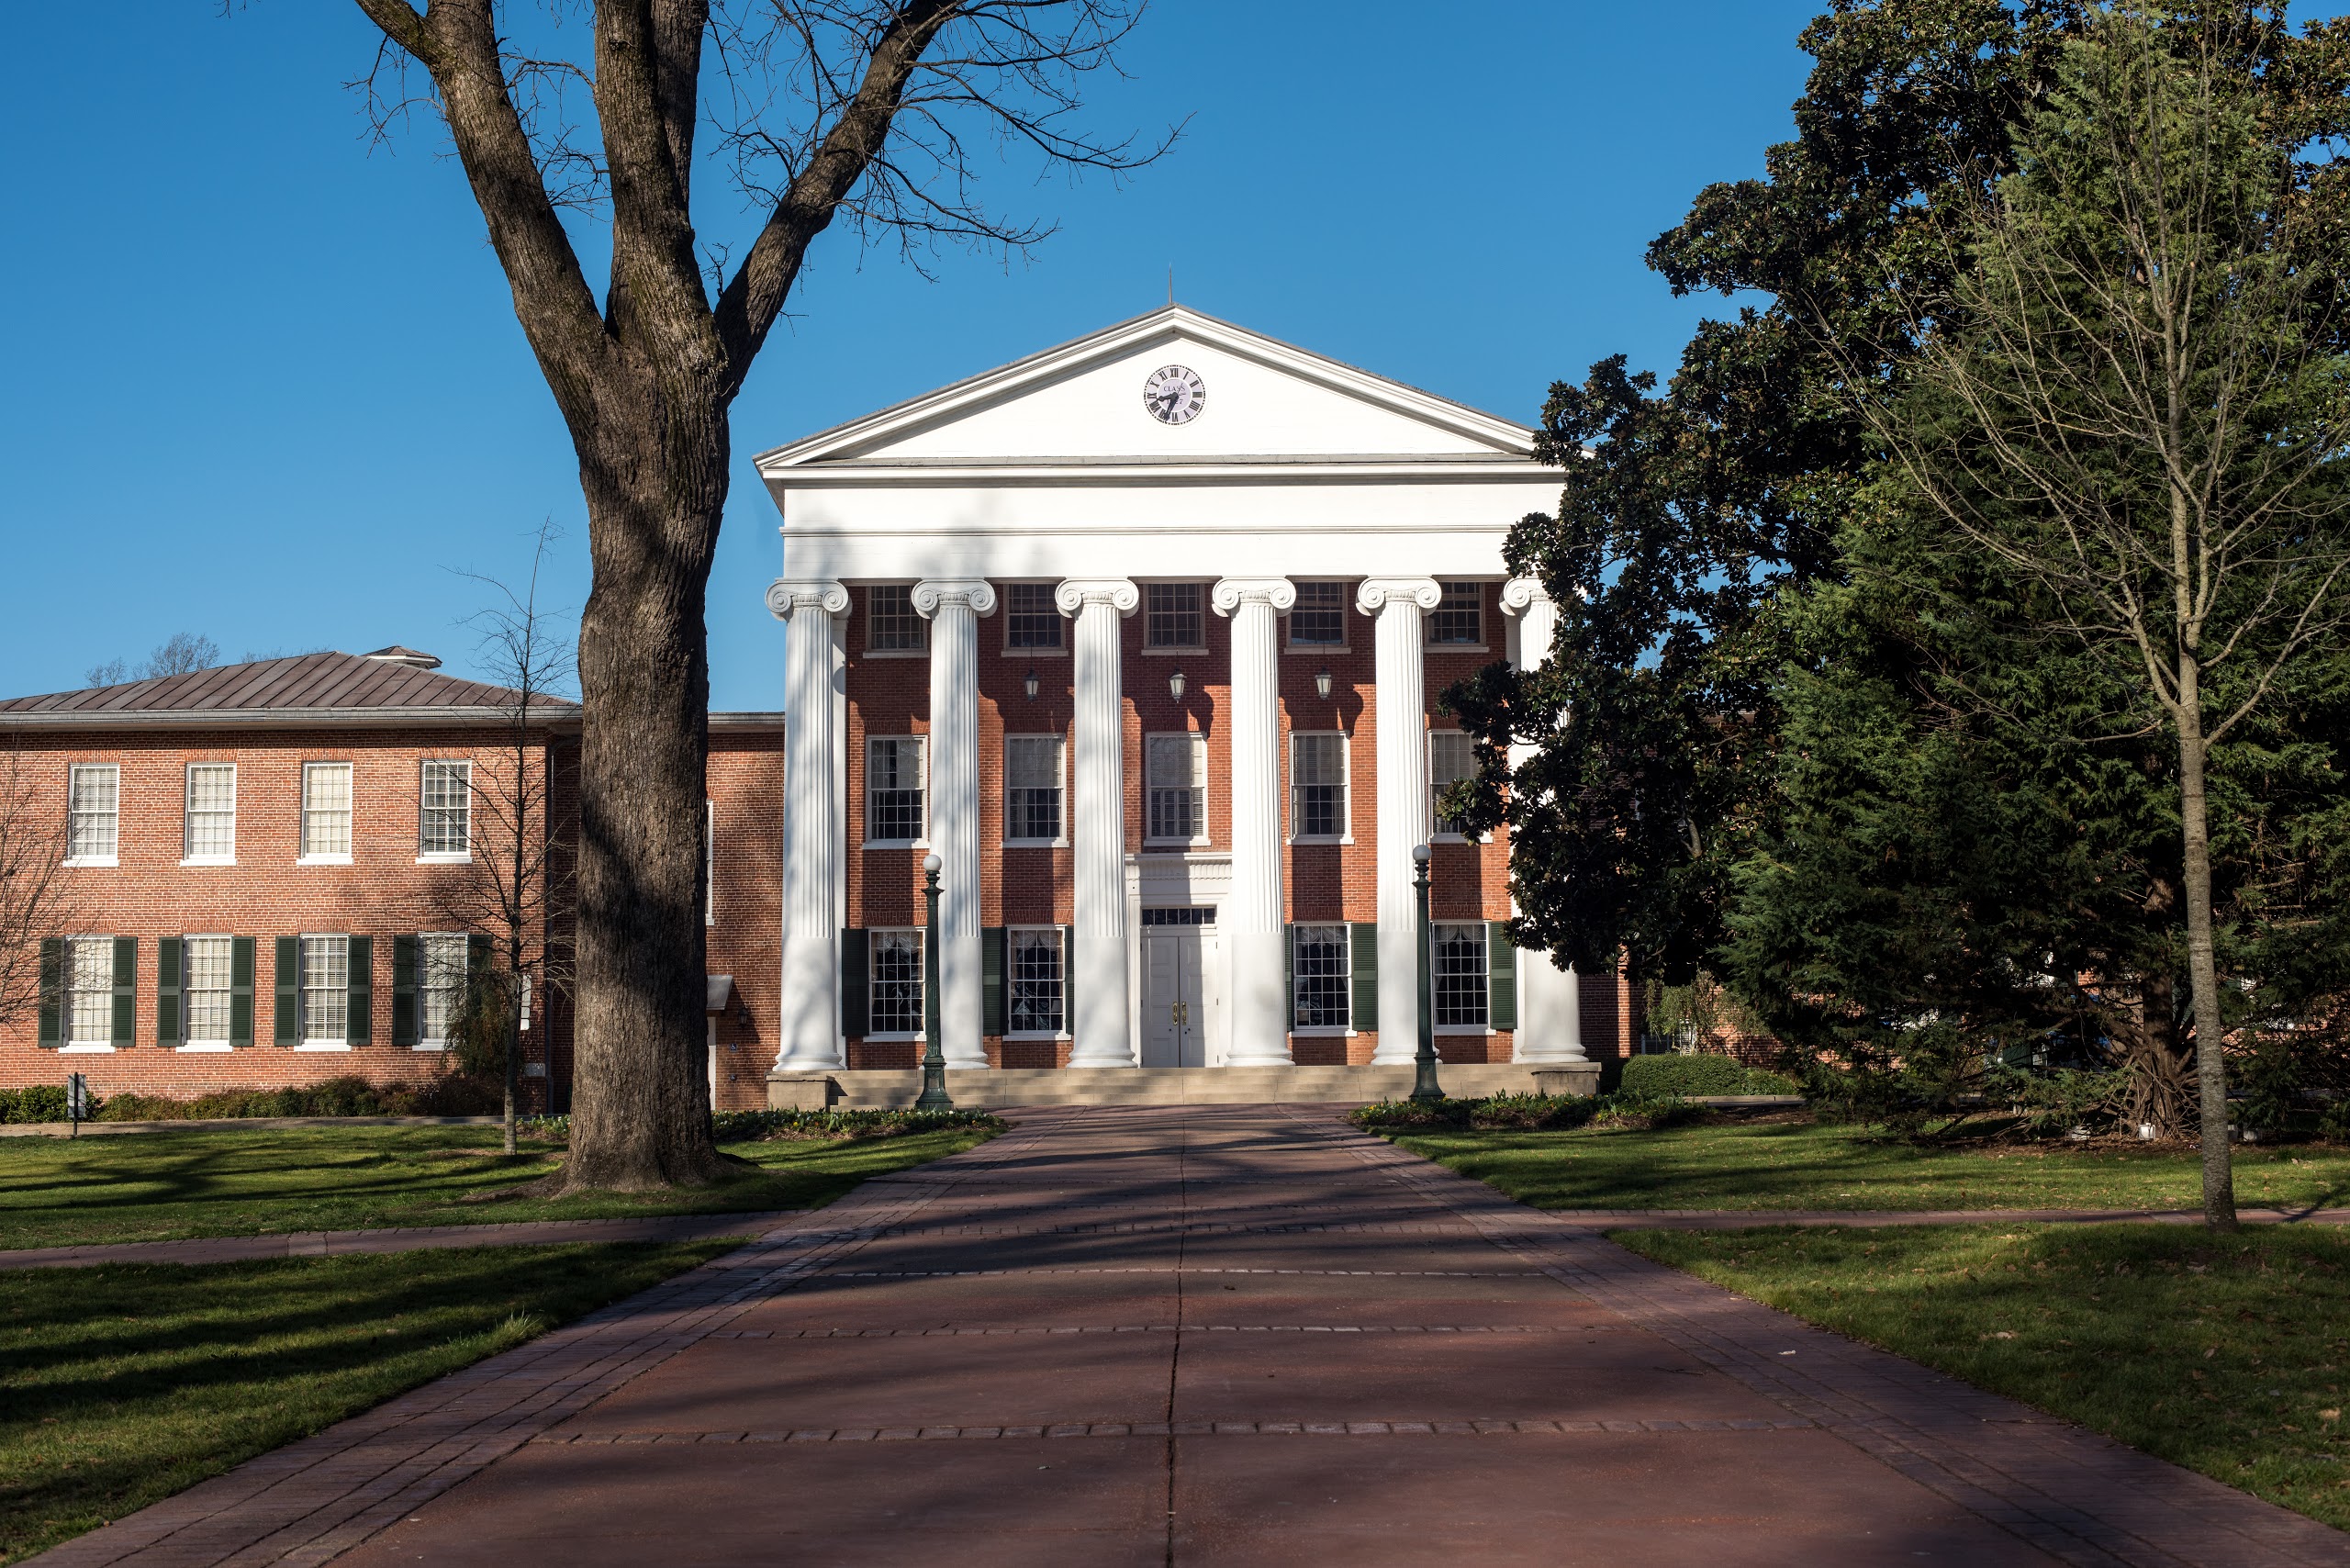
x: 954, y: 609
x: 1101, y: 1031
x: 1549, y: 1025
x: 1249, y: 920
x: 1401, y: 714
x: 813, y: 841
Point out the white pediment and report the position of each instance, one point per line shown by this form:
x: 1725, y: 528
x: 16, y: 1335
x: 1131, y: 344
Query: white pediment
x: 1267, y: 402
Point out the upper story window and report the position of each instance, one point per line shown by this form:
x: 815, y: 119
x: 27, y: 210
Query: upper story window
x: 1457, y: 972
x: 1451, y: 757
x: 325, y: 811
x: 211, y: 825
x: 1460, y: 617
x: 1032, y: 788
x: 890, y: 624
x: 893, y: 788
x: 1031, y: 618
x: 93, y: 812
x: 1175, y: 616
x: 1319, y: 619
x: 896, y: 995
x: 445, y: 813
x: 1175, y: 770
x: 1317, y: 786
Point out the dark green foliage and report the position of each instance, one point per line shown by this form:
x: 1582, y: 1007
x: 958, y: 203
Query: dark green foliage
x: 41, y: 1102
x: 1699, y: 1073
x: 1525, y: 1113
x: 351, y: 1096
x: 742, y: 1126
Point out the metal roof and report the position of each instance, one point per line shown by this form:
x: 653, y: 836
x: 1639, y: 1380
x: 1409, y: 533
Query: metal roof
x: 324, y: 685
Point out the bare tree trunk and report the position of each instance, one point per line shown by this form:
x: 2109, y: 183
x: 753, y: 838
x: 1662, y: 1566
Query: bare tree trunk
x: 2202, y: 967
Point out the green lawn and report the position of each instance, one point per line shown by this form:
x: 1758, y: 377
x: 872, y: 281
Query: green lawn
x: 2226, y: 1354
x: 1792, y: 1164
x: 165, y: 1186
x: 127, y: 1383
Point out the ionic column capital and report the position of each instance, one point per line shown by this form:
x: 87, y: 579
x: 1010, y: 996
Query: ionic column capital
x: 929, y: 593
x: 1231, y: 593
x: 787, y: 595
x: 1522, y: 594
x: 1377, y: 593
x: 1075, y: 593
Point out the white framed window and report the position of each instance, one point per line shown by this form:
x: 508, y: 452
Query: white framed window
x: 326, y: 813
x: 205, y: 991
x: 1175, y: 776
x: 445, y: 818
x: 1320, y: 978
x: 439, y: 988
x: 89, y: 993
x: 894, y: 806
x: 1031, y: 788
x: 1457, y: 976
x: 891, y: 625
x: 1459, y: 619
x: 1451, y: 757
x: 1175, y: 616
x: 1036, y: 983
x: 1032, y: 621
x: 210, y: 825
x: 1319, y: 618
x: 325, y: 995
x: 1317, y: 785
x: 896, y: 983
x: 92, y: 813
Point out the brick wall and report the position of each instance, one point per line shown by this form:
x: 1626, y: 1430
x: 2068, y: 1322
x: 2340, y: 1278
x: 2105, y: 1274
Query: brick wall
x: 745, y: 928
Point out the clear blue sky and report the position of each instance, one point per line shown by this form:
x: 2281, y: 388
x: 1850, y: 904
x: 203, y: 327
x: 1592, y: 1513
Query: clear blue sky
x: 266, y: 384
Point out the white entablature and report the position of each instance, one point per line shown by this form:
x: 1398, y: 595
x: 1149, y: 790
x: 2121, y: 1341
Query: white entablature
x: 1055, y: 467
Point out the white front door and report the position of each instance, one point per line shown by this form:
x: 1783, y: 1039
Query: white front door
x: 1174, y: 1022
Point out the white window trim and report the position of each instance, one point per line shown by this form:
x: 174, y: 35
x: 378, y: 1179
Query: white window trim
x: 1169, y: 649
x: 1322, y: 1031
x: 93, y: 862
x: 1013, y: 650
x: 1434, y: 836
x: 870, y: 651
x: 444, y: 856
x: 301, y: 996
x: 201, y: 1048
x: 205, y: 1047
x: 188, y: 814
x: 80, y: 862
x: 1060, y: 1034
x: 421, y: 1043
x: 86, y: 1048
x: 1200, y: 739
x: 1483, y: 644
x: 894, y: 1034
x: 1061, y: 755
x: 865, y: 807
x: 1346, y: 624
x: 302, y: 815
x: 1486, y: 1028
x: 327, y: 859
x: 66, y: 1004
x: 1345, y: 790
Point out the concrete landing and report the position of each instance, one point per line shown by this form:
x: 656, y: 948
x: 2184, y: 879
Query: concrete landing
x: 987, y: 1088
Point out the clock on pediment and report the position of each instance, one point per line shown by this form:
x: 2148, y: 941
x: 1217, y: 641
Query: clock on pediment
x: 1174, y: 394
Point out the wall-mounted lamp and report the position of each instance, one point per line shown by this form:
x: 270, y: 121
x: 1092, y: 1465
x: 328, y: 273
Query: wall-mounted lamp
x: 1322, y: 684
x: 1029, y: 682
x: 1175, y: 685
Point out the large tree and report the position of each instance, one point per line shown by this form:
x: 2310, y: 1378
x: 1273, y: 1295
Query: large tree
x: 869, y: 109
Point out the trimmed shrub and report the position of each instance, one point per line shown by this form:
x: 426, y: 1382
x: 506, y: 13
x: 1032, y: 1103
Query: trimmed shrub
x: 768, y: 1126
x: 41, y: 1102
x: 1698, y: 1074
x: 348, y: 1096
x: 1523, y: 1112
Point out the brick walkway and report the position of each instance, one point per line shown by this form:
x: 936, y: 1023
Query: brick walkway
x: 1201, y: 1335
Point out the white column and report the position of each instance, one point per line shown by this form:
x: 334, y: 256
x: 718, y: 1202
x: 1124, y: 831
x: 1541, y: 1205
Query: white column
x: 813, y: 842
x: 1100, y: 1029
x: 1249, y: 920
x: 1549, y: 1020
x: 953, y: 608
x: 1401, y: 714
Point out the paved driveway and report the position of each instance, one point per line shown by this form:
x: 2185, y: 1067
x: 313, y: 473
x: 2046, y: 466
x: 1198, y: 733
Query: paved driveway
x: 1200, y: 1335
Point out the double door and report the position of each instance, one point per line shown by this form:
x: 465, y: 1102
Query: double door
x: 1174, y: 996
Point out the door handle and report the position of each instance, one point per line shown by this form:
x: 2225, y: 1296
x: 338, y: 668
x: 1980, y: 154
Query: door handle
x: 1179, y: 1012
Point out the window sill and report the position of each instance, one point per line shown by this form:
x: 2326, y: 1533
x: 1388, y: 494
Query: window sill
x: 894, y: 1037
x: 1036, y: 1034
x: 896, y: 653
x: 1321, y: 1031
x: 1175, y: 843
x: 79, y: 862
x: 429, y: 1045
x: 1199, y: 652
x: 208, y: 860
x: 1316, y: 648
x: 1010, y: 652
x: 86, y: 1048
x: 205, y: 1045
x: 1464, y: 1029
x: 895, y: 844
x: 324, y: 1045
x: 322, y: 860
x: 1036, y: 844
x: 1312, y: 838
x: 446, y: 857
x: 1456, y: 648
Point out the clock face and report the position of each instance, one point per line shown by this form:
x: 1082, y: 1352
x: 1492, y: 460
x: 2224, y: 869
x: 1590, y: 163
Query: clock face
x: 1174, y: 395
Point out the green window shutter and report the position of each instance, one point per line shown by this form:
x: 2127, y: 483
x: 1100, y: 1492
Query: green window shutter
x: 287, y: 975
x: 991, y: 1007
x: 52, y: 990
x: 856, y: 984
x: 404, y: 991
x: 1364, y: 935
x: 168, y: 981
x: 240, y: 990
x: 126, y: 990
x: 1289, y: 975
x: 1501, y: 977
x: 359, y: 1015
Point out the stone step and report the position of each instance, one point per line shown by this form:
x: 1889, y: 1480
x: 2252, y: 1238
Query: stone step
x: 982, y: 1088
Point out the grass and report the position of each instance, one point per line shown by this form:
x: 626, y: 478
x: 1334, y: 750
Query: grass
x: 2226, y: 1354
x: 1791, y: 1163
x: 164, y: 1186
x: 129, y: 1382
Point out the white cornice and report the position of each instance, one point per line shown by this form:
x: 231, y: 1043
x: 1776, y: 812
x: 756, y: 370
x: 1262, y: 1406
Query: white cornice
x: 791, y: 463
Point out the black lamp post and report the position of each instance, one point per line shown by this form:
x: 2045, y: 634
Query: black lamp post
x: 1423, y: 1084
x: 934, y: 1060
